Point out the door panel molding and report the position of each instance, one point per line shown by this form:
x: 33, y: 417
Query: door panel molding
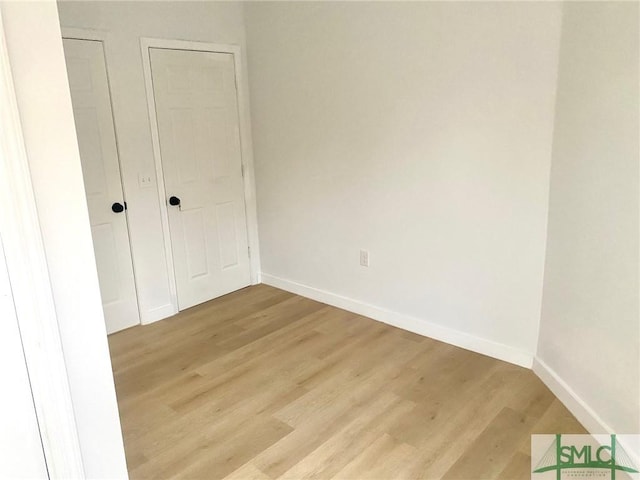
x: 246, y: 152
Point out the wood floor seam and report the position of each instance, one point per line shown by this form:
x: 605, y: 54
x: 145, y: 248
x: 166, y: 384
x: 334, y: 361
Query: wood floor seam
x: 263, y: 384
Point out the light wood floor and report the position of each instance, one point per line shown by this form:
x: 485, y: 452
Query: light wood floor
x: 263, y: 384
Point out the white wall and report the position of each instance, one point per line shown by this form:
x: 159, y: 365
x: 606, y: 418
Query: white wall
x: 125, y: 23
x: 37, y: 61
x: 422, y: 132
x: 418, y: 131
x: 590, y: 328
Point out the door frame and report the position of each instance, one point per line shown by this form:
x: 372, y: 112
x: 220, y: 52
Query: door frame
x: 32, y: 290
x: 73, y: 33
x: 246, y: 150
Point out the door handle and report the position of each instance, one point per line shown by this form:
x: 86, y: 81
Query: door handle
x: 174, y: 201
x: 118, y: 207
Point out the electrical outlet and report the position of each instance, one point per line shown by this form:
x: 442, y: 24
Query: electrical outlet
x: 145, y: 180
x: 364, y: 258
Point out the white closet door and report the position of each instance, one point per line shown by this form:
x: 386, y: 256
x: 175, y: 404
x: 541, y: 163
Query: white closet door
x: 197, y: 115
x: 103, y: 185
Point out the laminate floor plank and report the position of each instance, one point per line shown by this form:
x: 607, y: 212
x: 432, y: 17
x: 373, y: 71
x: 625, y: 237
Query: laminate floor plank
x: 263, y: 384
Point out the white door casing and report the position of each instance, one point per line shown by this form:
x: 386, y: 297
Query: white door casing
x: 199, y: 137
x: 31, y: 289
x: 22, y: 455
x: 103, y: 184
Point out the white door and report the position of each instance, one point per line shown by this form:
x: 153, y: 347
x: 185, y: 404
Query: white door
x: 21, y: 454
x: 103, y: 185
x: 197, y: 115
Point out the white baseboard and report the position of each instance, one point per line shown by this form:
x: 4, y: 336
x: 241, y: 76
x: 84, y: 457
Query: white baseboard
x: 158, y: 313
x: 406, y: 322
x: 574, y: 403
x: 560, y: 388
x: 580, y: 409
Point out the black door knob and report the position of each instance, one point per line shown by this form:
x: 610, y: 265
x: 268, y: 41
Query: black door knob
x: 117, y: 207
x: 174, y: 201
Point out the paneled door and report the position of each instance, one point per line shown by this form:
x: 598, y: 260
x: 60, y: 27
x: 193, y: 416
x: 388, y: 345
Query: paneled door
x: 103, y: 185
x: 197, y: 116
